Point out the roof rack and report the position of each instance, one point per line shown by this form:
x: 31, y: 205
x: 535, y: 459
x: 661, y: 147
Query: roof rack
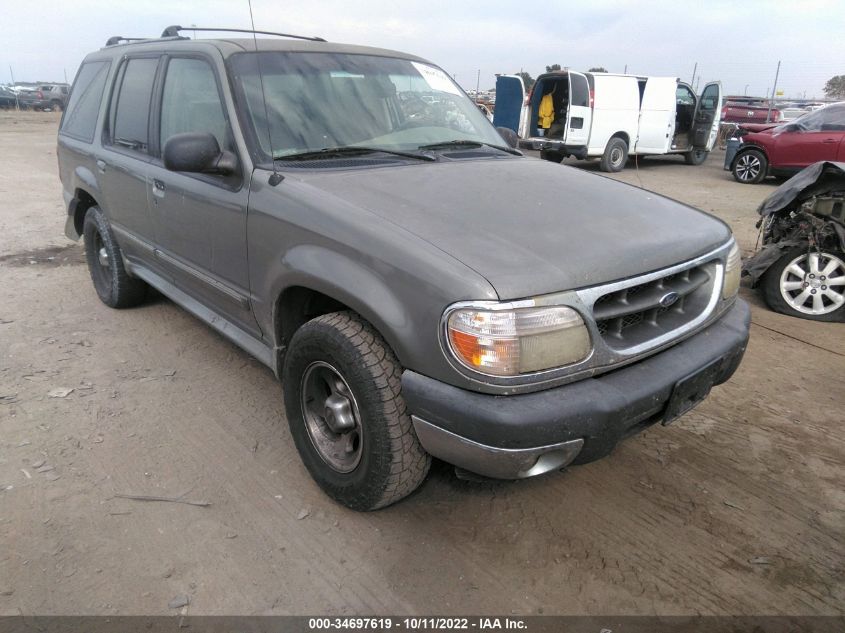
x: 117, y: 39
x: 173, y: 31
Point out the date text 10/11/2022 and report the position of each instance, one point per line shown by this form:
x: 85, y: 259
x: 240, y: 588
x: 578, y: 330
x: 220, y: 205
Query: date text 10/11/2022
x: 417, y: 624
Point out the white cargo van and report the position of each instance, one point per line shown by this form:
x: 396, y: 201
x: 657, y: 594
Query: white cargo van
x: 591, y: 115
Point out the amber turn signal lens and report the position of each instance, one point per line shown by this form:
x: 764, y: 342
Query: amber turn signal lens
x: 508, y: 342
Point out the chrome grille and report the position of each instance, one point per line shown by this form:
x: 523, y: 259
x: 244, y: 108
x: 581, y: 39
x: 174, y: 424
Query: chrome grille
x: 634, y: 315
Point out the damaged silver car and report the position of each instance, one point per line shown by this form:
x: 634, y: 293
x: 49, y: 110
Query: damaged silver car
x: 801, y: 266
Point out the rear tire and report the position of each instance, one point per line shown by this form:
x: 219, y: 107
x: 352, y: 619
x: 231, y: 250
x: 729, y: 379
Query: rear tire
x: 347, y: 416
x: 750, y: 167
x: 615, y: 155
x: 113, y: 284
x: 785, y: 291
x: 696, y: 156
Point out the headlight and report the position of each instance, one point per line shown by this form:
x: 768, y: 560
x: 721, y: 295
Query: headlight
x: 733, y: 270
x: 508, y: 342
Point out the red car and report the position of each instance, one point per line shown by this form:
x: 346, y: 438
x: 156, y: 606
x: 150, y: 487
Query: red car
x: 781, y: 150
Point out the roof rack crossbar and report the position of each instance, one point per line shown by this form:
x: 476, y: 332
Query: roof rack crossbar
x: 173, y: 31
x: 117, y: 39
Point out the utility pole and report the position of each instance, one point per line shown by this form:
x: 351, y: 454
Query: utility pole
x: 694, y: 69
x: 774, y: 90
x: 625, y: 72
x: 12, y: 74
x: 65, y: 69
x: 477, y: 84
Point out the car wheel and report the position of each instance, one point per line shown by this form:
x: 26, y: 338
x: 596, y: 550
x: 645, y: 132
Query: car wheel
x: 696, y: 156
x: 615, y: 155
x: 113, y: 284
x: 750, y: 167
x: 56, y: 105
x: 551, y: 155
x: 347, y: 416
x: 807, y: 284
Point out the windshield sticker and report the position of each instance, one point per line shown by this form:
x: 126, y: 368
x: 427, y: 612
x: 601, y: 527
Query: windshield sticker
x: 436, y: 78
x: 338, y: 74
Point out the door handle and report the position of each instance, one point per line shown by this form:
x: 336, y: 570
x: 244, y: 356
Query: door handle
x: 829, y: 140
x: 101, y: 165
x: 159, y: 184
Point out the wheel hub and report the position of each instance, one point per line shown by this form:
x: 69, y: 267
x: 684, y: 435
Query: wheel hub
x: 338, y: 413
x: 331, y: 417
x: 103, y: 257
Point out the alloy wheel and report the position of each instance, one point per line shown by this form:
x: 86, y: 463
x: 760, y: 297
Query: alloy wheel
x: 814, y: 283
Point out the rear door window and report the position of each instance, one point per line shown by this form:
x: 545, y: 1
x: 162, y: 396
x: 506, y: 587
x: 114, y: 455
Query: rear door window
x: 80, y: 116
x: 580, y: 95
x: 130, y: 108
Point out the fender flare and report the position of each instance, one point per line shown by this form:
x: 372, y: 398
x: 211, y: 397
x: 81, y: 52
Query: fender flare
x: 351, y: 283
x: 84, y: 183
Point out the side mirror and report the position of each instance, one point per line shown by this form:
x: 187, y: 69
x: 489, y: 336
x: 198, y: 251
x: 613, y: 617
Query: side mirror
x: 198, y: 153
x: 510, y: 137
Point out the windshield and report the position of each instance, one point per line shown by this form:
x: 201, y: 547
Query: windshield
x: 828, y: 119
x: 329, y: 100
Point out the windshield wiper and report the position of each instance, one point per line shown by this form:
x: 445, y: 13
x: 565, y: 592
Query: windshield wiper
x: 470, y: 143
x: 349, y: 150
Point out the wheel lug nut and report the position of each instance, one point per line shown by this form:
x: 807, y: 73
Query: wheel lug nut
x: 812, y: 276
x: 824, y: 287
x: 813, y: 291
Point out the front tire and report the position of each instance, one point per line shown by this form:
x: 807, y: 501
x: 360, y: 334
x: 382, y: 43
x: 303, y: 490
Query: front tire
x: 750, y: 167
x: 113, y: 284
x: 696, y: 156
x: 807, y: 284
x: 347, y: 416
x: 615, y: 155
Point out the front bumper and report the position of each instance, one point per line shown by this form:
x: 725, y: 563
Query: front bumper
x: 510, y: 437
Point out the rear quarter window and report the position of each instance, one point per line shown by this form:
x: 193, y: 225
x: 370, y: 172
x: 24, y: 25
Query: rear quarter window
x: 80, y: 116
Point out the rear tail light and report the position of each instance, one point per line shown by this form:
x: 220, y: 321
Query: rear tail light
x: 40, y: 94
x: 592, y: 97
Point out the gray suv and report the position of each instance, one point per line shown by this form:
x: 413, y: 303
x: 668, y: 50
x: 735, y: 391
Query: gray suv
x: 420, y: 287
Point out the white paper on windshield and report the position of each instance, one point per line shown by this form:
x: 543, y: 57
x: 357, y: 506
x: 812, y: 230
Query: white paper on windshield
x: 436, y: 78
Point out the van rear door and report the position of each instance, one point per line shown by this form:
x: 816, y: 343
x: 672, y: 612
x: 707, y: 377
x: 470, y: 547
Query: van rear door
x: 705, y: 125
x: 510, y: 98
x: 657, y: 116
x: 579, y: 116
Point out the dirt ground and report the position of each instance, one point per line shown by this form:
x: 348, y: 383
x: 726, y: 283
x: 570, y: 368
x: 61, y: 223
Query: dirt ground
x: 737, y: 508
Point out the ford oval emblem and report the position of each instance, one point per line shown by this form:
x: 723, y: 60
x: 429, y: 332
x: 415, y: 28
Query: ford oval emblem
x: 668, y: 299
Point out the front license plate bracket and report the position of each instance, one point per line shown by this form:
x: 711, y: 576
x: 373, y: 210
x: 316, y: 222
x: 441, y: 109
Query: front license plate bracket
x: 690, y: 391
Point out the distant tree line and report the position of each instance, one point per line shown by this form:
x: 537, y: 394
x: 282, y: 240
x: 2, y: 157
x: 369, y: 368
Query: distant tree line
x: 835, y: 87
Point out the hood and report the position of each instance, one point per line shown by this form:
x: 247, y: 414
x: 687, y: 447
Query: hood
x: 823, y: 176
x: 529, y: 226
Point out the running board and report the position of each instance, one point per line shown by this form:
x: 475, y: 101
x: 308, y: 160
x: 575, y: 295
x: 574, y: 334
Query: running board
x: 237, y: 335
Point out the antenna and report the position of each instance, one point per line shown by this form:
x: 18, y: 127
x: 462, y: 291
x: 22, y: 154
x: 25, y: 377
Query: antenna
x: 276, y: 177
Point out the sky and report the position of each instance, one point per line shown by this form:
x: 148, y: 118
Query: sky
x: 738, y: 42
